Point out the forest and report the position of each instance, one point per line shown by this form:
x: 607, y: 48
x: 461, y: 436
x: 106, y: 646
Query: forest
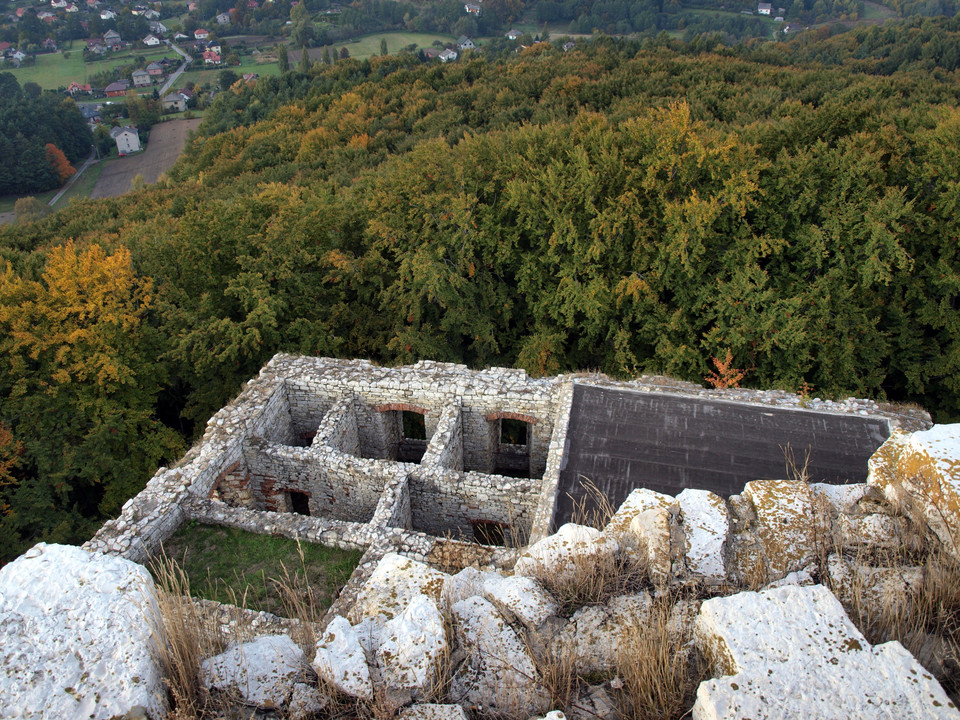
x: 628, y: 207
x: 41, y: 135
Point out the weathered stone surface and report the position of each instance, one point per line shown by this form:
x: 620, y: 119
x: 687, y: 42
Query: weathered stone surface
x: 874, y: 589
x: 784, y: 523
x: 793, y: 653
x: 75, y: 636
x: 393, y: 584
x: 642, y: 526
x: 431, y: 711
x: 305, y: 701
x: 922, y: 471
x: 499, y: 674
x: 876, y: 531
x: 521, y: 595
x: 842, y: 498
x: 262, y: 672
x: 594, y: 633
x: 706, y: 524
x: 340, y: 660
x: 413, y: 645
x: 572, y: 549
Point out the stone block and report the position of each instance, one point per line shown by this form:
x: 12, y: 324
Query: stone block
x: 706, y: 526
x: 784, y: 523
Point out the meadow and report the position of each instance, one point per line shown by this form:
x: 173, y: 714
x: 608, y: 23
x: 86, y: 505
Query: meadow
x: 56, y: 70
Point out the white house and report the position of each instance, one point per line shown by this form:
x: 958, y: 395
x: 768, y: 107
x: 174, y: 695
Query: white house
x: 151, y: 41
x: 107, y: 14
x: 127, y: 138
x: 465, y: 43
x: 764, y: 8
x: 223, y: 19
x: 513, y: 34
x: 448, y: 55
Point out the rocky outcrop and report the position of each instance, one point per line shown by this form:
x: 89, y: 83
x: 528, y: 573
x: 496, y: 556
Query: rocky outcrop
x: 262, y: 673
x: 792, y: 652
x: 75, y: 636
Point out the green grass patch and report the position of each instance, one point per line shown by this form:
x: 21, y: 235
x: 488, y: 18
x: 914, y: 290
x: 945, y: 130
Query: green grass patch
x: 241, y: 568
x: 369, y: 45
x: 54, y: 71
x: 8, y: 201
x: 82, y: 187
x: 200, y: 74
x: 876, y: 11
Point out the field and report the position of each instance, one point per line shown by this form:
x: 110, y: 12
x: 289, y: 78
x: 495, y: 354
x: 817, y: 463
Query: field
x: 367, y: 46
x: 199, y: 74
x: 54, y: 71
x: 166, y: 143
x: 237, y: 567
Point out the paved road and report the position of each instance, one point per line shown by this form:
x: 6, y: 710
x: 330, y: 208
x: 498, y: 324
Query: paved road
x: 73, y: 178
x: 179, y: 71
x: 623, y: 440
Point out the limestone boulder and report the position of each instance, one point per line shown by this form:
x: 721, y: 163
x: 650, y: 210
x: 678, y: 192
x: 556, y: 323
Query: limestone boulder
x: 262, y: 672
x: 873, y: 589
x: 594, y: 633
x: 706, y: 526
x: 921, y: 471
x: 571, y: 550
x: 499, y: 675
x: 843, y: 498
x: 413, y: 645
x: 432, y: 711
x: 643, y: 526
x: 340, y: 660
x: 784, y: 525
x: 75, y: 636
x: 305, y: 702
x: 793, y: 653
x: 888, y: 532
x: 523, y: 596
x: 393, y: 584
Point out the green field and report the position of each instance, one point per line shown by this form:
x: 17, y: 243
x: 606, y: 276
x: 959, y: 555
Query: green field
x: 369, y: 45
x: 199, y: 74
x: 875, y: 11
x: 54, y: 71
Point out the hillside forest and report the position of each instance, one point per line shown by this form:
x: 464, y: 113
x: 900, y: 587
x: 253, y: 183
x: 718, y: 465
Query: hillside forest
x: 628, y: 207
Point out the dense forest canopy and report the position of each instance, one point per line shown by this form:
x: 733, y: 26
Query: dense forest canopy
x: 625, y: 207
x: 30, y: 121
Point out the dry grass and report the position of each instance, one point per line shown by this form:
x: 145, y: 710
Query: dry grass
x: 657, y: 665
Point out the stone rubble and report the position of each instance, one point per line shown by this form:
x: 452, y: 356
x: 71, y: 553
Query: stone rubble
x: 263, y: 672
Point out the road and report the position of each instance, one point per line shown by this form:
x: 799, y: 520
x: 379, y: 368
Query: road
x: 73, y: 178
x: 178, y: 72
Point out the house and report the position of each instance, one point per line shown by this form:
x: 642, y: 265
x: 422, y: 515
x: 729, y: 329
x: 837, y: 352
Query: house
x: 46, y: 16
x: 431, y: 53
x: 188, y: 95
x: 58, y: 3
x: 151, y: 41
x: 108, y: 14
x: 180, y: 36
x: 223, y: 19
x: 513, y: 34
x: 127, y: 139
x: 764, y: 8
x: 155, y: 69
x: 111, y: 38
x: 71, y: 8
x: 200, y: 34
x: 158, y: 28
x: 250, y: 77
x: 141, y: 78
x: 214, y: 46
x: 4, y: 46
x: 568, y: 46
x: 18, y: 55
x: 472, y: 9
x: 192, y: 6
x: 50, y: 45
x: 174, y: 102
x: 76, y: 88
x: 91, y: 115
x: 151, y: 15
x: 448, y: 55
x: 211, y: 58
x: 117, y: 89
x: 465, y: 43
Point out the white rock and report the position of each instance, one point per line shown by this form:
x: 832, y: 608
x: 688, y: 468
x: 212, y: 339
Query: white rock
x: 431, y: 711
x: 642, y: 526
x: 784, y: 523
x: 499, y: 674
x: 412, y: 647
x: 592, y: 637
x: 706, y: 524
x: 305, y: 701
x: 522, y: 595
x: 572, y: 549
x: 263, y: 672
x: 842, y: 498
x: 391, y: 586
x: 871, y: 531
x: 922, y: 471
x: 874, y: 589
x: 793, y: 653
x: 800, y: 577
x: 75, y: 636
x: 340, y: 660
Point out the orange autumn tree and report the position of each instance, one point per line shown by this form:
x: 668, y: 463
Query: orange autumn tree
x: 79, y: 378
x: 59, y: 164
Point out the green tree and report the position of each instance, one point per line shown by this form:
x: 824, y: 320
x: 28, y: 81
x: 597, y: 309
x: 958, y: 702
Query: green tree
x: 282, y: 58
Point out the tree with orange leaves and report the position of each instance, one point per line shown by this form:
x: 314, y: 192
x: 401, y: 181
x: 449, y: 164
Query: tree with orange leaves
x: 59, y: 164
